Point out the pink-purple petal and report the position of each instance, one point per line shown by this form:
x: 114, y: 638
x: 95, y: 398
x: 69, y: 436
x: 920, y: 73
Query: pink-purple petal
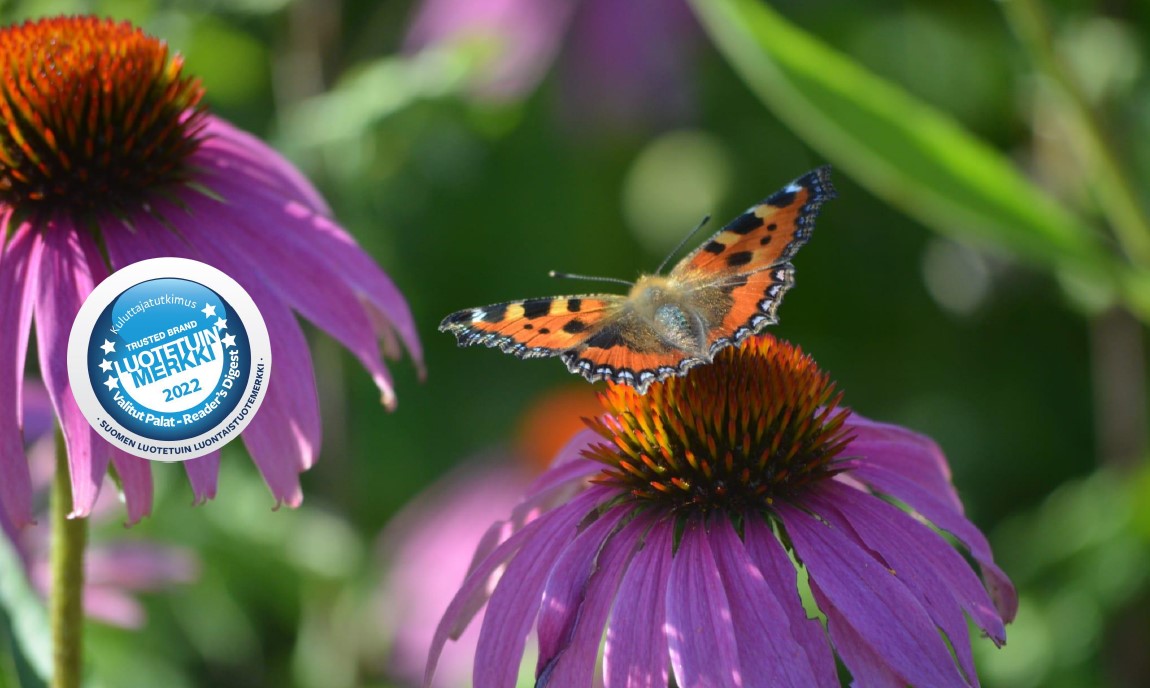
x: 636, y: 654
x: 573, y: 663
x: 66, y: 279
x: 875, y: 531
x: 910, y: 454
x: 514, y: 604
x: 203, y: 475
x: 700, y: 634
x: 474, y: 591
x: 868, y: 669
x: 908, y: 545
x: 872, y: 600
x: 335, y: 308
x: 566, y: 587
x: 237, y: 152
x: 771, y: 559
x: 943, y: 515
x: 768, y: 654
x: 283, y: 438
x: 135, y: 476
x: 19, y: 271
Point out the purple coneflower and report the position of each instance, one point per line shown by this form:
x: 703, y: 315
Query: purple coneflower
x: 720, y: 501
x: 108, y: 157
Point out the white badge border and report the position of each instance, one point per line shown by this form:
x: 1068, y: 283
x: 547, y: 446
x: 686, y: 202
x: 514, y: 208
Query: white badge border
x: 115, y: 285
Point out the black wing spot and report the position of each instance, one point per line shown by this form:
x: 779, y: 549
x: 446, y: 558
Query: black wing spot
x: 575, y: 326
x: 573, y: 305
x: 536, y: 308
x: 714, y: 247
x: 745, y: 224
x: 765, y: 240
x: 772, y: 227
x: 781, y: 199
x: 544, y: 330
x: 606, y: 339
x: 741, y: 258
x: 494, y: 314
x: 528, y: 326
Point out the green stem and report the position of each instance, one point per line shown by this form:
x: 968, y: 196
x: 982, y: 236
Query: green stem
x: 69, y: 539
x: 1116, y: 195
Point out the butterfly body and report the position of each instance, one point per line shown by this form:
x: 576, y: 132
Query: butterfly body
x: 722, y: 292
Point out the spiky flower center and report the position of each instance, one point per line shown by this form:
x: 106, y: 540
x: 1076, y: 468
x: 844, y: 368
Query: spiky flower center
x: 760, y: 423
x: 93, y: 114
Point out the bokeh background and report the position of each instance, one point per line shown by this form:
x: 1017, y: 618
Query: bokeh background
x: 979, y: 279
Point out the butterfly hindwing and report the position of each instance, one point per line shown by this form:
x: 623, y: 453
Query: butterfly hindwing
x: 766, y: 234
x: 754, y: 299
x: 534, y: 328
x: 628, y: 350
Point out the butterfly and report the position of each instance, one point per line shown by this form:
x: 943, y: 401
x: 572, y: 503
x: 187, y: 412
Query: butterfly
x: 716, y: 296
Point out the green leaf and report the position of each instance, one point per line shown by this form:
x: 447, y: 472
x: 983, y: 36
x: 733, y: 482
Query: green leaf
x: 26, y: 619
x: 916, y: 158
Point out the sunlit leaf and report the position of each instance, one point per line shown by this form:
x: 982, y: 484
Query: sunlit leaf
x: 915, y: 157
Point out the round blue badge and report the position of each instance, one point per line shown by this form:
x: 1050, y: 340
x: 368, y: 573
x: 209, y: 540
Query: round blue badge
x: 169, y: 359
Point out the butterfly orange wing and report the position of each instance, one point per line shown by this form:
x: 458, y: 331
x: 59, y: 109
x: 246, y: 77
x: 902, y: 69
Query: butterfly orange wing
x: 534, y: 328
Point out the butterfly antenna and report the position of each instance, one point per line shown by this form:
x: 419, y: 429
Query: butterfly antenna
x: 567, y: 275
x: 681, y: 243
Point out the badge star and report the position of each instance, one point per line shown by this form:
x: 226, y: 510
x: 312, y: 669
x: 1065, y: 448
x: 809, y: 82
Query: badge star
x: 108, y: 347
x: 221, y: 324
x: 105, y: 367
x: 229, y: 340
x: 111, y: 383
x: 209, y: 311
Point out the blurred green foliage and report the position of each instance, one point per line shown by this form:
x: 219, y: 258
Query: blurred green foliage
x: 961, y: 285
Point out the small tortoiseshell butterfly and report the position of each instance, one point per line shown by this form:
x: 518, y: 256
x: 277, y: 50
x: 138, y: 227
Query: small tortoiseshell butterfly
x: 725, y: 290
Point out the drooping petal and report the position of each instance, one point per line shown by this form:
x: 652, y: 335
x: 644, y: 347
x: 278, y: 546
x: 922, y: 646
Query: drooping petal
x: 333, y: 307
x: 700, y: 633
x: 771, y: 559
x: 868, y: 669
x: 252, y: 164
x: 911, y: 547
x: 873, y: 601
x: 514, y: 604
x: 636, y: 653
x: 474, y: 592
x: 283, y: 437
x: 768, y: 654
x: 333, y: 253
x: 943, y: 515
x: 914, y: 456
x: 574, y: 663
x: 19, y: 270
x: 566, y: 586
x: 135, y: 476
x: 927, y: 585
x: 203, y: 474
x: 475, y: 589
x: 67, y: 276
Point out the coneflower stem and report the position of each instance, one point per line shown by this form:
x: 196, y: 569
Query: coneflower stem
x: 66, y: 600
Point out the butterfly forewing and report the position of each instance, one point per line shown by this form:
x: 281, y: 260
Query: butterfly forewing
x: 768, y: 233
x: 534, y: 328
